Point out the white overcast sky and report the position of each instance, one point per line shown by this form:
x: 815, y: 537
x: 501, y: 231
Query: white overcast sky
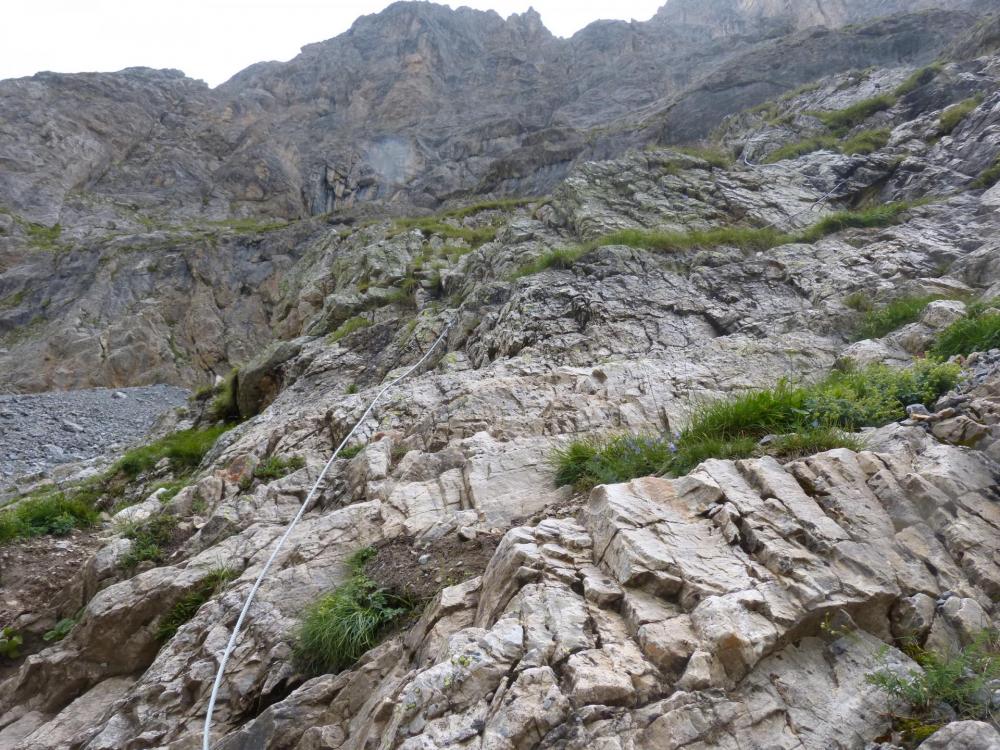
x: 213, y: 39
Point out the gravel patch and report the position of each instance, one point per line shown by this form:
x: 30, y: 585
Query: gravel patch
x: 39, y: 432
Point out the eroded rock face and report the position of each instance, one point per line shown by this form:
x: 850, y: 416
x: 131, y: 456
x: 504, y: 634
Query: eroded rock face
x: 739, y: 606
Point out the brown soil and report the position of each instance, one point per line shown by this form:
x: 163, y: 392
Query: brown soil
x: 450, y: 560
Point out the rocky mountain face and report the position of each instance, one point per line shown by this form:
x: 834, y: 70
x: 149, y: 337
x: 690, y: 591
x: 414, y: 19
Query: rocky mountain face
x: 745, y: 603
x: 131, y: 203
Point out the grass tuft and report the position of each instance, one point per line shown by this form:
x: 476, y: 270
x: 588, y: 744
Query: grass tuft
x: 189, y: 605
x: 979, y: 331
x: 803, y: 147
x: 842, y: 120
x: 224, y: 407
x: 988, y: 177
x: 341, y: 626
x: 184, y: 449
x: 276, y: 467
x: 47, y: 512
x: 878, y: 216
x: 919, y: 78
x: 894, y: 315
x: 348, y: 327
x: 866, y: 142
x: 797, y: 420
x: 148, y: 540
x: 953, y: 116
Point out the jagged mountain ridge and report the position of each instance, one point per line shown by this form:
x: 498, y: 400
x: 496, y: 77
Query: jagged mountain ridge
x: 411, y: 106
x: 137, y: 285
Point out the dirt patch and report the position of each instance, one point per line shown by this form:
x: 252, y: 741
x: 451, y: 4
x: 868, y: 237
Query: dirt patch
x: 35, y: 584
x: 419, y: 571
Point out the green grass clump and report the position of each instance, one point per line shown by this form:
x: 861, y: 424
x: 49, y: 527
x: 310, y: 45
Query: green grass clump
x: 960, y: 680
x: 745, y: 238
x: 842, y: 120
x: 500, y: 204
x: 185, y: 449
x: 885, y: 215
x: 350, y: 451
x: 802, y: 420
x: 429, y: 225
x: 894, y: 315
x: 276, y: 467
x: 988, y: 177
x: 148, y: 540
x: 224, y: 407
x: 919, y: 78
x: 47, y: 512
x: 954, y: 115
x: 341, y: 626
x: 186, y: 608
x: 348, y: 327
x: 560, y: 258
x: 802, y: 147
x: 979, y: 331
x: 866, y: 142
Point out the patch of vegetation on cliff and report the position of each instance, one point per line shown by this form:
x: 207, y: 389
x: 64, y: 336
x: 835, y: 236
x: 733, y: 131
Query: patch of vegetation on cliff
x: 865, y: 142
x: 803, y: 147
x: 786, y: 421
x: 988, y: 177
x: 43, y: 237
x: 184, y: 450
x: 749, y: 239
x: 952, y: 117
x: 919, y: 78
x: 149, y: 540
x: 49, y: 511
x: 842, y: 120
x: 189, y: 605
x: 338, y: 628
x: 960, y: 681
x: 979, y: 331
x: 348, y: 327
x: 885, y: 319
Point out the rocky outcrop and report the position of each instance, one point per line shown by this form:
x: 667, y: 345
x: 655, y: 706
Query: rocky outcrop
x: 742, y: 605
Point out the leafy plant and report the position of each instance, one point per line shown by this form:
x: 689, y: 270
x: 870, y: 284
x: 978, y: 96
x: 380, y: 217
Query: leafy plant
x: 341, y: 626
x: 148, y: 540
x: 958, y: 680
x: 10, y: 643
x: 189, y: 604
x: 61, y: 629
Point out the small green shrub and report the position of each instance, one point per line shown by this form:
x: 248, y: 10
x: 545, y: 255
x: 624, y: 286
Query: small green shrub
x: 148, y: 540
x: 224, y: 407
x: 60, y: 631
x: 341, y: 626
x: 953, y: 116
x: 10, y: 643
x: 859, y: 301
x: 352, y: 389
x: 275, y: 467
x: 988, y: 177
x: 189, y: 605
x: 979, y: 331
x: 348, y: 327
x: 919, y: 78
x: 866, y: 142
x: 842, y: 120
x: 185, y: 449
x: 894, y: 315
x: 958, y: 680
x: 47, y: 512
